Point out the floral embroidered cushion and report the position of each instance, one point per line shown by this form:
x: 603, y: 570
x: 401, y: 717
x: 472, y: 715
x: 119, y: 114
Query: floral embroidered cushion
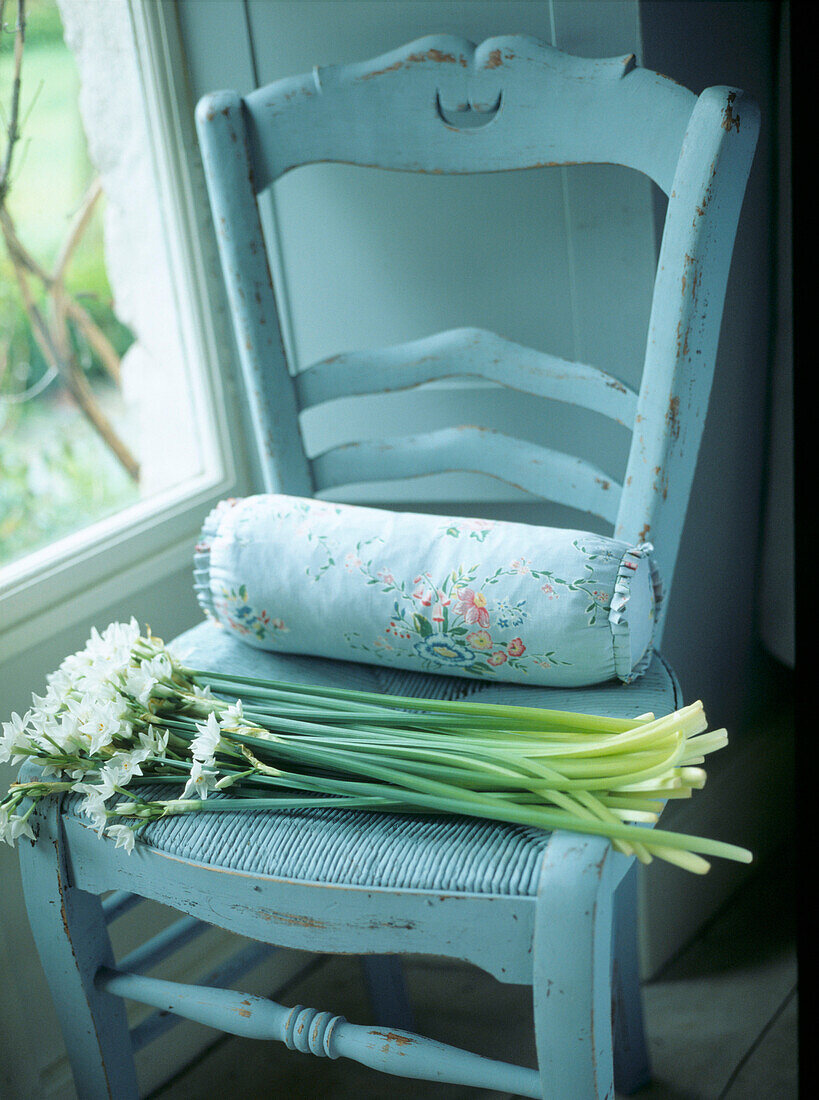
x: 464, y: 597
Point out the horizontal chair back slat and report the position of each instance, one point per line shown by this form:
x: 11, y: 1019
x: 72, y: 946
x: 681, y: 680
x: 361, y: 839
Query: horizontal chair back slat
x: 466, y: 352
x: 538, y: 470
x: 406, y: 111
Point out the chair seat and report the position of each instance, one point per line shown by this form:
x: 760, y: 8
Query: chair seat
x: 360, y: 848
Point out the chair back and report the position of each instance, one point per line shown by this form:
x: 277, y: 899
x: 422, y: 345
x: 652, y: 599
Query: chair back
x: 443, y: 105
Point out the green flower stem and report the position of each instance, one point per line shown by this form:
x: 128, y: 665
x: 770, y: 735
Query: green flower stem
x: 647, y: 766
x: 455, y: 799
x: 39, y: 788
x: 225, y: 805
x: 526, y: 717
x: 372, y: 715
x: 687, y: 860
x: 497, y: 810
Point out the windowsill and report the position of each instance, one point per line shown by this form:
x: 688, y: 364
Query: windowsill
x: 156, y: 535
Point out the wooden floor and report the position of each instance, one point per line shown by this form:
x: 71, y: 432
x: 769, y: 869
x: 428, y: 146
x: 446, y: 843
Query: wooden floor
x: 721, y: 1018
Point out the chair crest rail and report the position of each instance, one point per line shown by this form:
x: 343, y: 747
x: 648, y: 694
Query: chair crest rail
x: 546, y: 107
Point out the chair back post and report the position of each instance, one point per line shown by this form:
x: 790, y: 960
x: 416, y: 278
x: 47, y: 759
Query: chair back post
x: 268, y: 386
x: 692, y: 274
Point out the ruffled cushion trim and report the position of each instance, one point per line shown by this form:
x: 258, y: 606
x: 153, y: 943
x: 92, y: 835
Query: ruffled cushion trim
x: 201, y: 557
x: 618, y: 613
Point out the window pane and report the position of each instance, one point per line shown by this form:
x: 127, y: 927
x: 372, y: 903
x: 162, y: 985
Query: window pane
x: 93, y: 408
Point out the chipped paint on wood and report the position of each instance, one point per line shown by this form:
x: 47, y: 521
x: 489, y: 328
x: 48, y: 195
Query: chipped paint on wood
x: 231, y: 174
x: 673, y: 417
x: 730, y: 119
x: 401, y: 88
x: 692, y: 274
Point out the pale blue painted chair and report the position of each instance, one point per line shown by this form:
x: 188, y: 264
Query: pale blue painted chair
x: 526, y: 906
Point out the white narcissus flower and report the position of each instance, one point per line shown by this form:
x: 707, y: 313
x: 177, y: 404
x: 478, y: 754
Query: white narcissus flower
x: 154, y: 740
x: 13, y: 827
x: 109, y: 779
x: 105, y: 656
x: 115, y: 643
x: 159, y: 667
x: 138, y: 682
x: 5, y: 825
x: 233, y: 717
x: 93, y: 805
x: 21, y: 827
x: 121, y: 635
x: 15, y: 738
x: 101, y: 725
x: 200, y: 783
x: 127, y: 764
x: 124, y: 836
x: 203, y: 747
x: 46, y: 706
x: 66, y: 733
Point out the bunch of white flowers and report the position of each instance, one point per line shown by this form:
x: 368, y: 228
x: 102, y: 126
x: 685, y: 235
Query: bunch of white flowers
x: 122, y: 717
x: 93, y: 728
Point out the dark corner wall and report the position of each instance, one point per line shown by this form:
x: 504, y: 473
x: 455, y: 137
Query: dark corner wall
x: 726, y: 575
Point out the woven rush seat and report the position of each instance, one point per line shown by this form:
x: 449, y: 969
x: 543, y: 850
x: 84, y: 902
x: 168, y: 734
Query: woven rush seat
x: 356, y: 847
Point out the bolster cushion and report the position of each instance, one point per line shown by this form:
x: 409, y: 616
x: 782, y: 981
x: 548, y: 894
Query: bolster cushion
x: 461, y: 597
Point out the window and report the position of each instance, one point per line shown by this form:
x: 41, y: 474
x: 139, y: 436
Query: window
x: 111, y: 451
x: 65, y: 451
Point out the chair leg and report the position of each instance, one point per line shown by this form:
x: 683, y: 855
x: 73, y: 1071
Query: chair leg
x: 632, y: 1067
x: 387, y: 991
x: 572, y: 969
x: 73, y: 943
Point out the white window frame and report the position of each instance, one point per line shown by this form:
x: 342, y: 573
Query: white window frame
x: 76, y: 576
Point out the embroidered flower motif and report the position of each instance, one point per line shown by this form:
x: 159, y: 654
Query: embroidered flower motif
x: 244, y: 619
x: 473, y: 528
x: 496, y: 658
x: 424, y: 595
x: 472, y: 606
x: 516, y: 648
x: 509, y: 615
x: 479, y: 639
x: 441, y: 650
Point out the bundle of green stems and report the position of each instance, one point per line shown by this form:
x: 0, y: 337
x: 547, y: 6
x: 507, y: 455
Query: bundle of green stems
x: 123, y: 716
